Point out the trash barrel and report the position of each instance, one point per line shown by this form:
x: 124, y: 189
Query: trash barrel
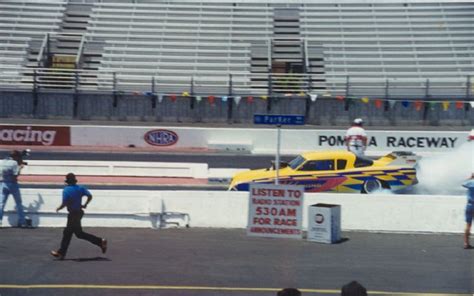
x: 324, y: 223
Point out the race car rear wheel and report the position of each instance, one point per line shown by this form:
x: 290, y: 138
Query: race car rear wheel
x: 373, y: 185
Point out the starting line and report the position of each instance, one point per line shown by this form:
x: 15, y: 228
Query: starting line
x: 204, y: 288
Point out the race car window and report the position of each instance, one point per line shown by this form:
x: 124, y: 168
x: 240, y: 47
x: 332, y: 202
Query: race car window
x: 318, y: 165
x: 341, y: 164
x: 362, y: 162
x: 295, y: 163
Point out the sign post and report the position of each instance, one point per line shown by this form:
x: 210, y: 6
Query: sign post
x: 277, y: 156
x: 278, y: 120
x: 275, y: 211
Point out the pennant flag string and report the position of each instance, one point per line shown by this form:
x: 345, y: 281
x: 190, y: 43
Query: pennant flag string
x: 379, y: 103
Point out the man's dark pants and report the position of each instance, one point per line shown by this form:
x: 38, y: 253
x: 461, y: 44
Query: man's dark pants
x: 74, y: 227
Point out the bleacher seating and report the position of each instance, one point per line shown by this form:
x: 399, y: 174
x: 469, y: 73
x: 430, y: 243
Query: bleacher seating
x: 176, y: 41
x: 21, y: 22
x: 409, y: 42
x: 13, y: 52
x: 372, y: 43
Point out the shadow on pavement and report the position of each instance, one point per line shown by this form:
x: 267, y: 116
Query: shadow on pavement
x: 86, y: 259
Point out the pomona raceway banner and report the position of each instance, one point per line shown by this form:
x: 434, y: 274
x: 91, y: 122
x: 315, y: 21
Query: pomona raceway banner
x: 35, y: 135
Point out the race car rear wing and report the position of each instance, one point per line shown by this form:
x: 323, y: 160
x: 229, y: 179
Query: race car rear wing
x: 401, y: 158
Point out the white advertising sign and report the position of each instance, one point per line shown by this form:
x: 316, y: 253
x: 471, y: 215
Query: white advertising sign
x: 275, y: 211
x: 397, y: 140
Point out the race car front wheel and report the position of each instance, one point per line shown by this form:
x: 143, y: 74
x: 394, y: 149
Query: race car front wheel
x: 373, y: 185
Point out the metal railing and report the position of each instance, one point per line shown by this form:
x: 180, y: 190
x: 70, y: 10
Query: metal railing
x: 44, y: 57
x: 237, y: 84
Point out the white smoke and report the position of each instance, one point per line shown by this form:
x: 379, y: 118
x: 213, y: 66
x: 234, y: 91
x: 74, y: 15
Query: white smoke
x: 384, y: 192
x: 444, y: 173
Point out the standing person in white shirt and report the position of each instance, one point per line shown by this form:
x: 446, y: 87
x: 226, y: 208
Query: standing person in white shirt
x: 356, y: 138
x: 10, y: 170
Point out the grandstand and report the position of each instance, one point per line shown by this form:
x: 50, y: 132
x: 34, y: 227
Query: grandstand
x: 175, y: 42
x: 403, y: 42
x: 395, y: 48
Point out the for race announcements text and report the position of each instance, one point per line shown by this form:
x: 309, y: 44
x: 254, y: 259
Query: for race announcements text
x: 275, y: 211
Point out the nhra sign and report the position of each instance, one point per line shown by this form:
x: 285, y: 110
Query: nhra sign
x: 35, y: 135
x: 275, y: 211
x: 161, y: 137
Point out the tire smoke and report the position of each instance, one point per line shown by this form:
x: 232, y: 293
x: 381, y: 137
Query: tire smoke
x: 443, y: 174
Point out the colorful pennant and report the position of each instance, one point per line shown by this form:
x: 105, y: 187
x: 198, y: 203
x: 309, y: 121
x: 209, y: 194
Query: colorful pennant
x: 237, y: 100
x: 378, y: 103
x: 445, y: 105
x: 418, y: 105
x: 211, y: 100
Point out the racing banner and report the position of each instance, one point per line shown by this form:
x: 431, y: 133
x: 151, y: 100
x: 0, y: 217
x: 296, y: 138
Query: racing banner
x: 275, y: 211
x: 35, y: 135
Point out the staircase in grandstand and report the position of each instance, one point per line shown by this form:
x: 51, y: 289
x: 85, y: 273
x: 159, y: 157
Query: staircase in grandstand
x: 62, y: 53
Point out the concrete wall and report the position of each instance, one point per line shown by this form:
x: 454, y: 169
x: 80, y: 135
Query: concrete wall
x: 124, y: 208
x: 246, y: 140
x: 264, y: 140
x: 324, y: 111
x: 116, y: 168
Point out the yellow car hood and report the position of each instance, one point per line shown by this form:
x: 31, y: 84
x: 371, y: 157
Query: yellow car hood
x: 252, y: 175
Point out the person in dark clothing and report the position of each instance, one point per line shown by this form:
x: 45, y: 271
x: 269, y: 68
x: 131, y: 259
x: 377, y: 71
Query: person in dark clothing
x: 469, y: 211
x: 72, y: 199
x: 289, y: 292
x: 353, y: 288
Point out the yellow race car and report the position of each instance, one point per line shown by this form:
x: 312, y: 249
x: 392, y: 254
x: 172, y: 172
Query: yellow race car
x: 337, y: 171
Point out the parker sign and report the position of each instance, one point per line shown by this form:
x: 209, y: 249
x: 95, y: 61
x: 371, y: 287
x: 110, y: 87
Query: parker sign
x: 35, y: 135
x: 275, y: 211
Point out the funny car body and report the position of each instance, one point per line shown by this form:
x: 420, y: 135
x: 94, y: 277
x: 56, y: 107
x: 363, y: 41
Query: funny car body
x: 337, y: 171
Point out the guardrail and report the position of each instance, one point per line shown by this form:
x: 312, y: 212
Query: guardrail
x: 118, y: 168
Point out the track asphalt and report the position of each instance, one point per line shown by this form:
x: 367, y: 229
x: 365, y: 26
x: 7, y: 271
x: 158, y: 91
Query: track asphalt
x: 211, y: 262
